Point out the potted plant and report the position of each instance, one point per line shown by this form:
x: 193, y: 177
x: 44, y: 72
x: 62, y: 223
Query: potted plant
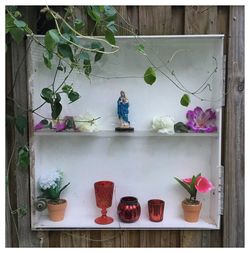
x: 191, y: 206
x: 51, y: 188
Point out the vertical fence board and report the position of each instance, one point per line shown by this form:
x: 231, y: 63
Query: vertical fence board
x: 155, y: 20
x: 234, y: 142
x: 200, y: 19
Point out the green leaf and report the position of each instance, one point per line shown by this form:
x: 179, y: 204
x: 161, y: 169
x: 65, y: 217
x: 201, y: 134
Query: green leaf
x: 46, y: 60
x: 149, y: 76
x: 185, y: 100
x: 78, y: 25
x: 47, y: 95
x: 23, y: 157
x: 67, y: 88
x: 94, y: 13
x: 56, y: 109
x: 180, y: 127
x: 111, y: 26
x: 17, y: 34
x: 110, y: 12
x: 19, y: 23
x: 73, y: 96
x: 99, y: 47
x: 57, y: 98
x: 84, y: 56
x: 21, y: 123
x: 65, y: 51
x: 63, y: 188
x: 51, y: 39
x: 87, y: 67
x: 109, y: 36
x: 185, y: 186
x: 140, y: 48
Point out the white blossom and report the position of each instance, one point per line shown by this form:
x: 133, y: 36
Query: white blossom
x: 89, y: 126
x: 50, y: 180
x: 163, y: 124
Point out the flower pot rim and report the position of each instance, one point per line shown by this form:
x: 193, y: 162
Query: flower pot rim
x: 185, y: 202
x: 57, y: 202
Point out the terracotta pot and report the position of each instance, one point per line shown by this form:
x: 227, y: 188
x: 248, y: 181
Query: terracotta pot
x: 57, y: 209
x: 191, y: 211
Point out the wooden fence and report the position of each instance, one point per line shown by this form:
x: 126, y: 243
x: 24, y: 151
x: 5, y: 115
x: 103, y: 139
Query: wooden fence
x: 147, y: 20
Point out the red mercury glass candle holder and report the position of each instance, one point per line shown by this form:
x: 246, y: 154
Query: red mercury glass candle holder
x: 156, y: 209
x: 104, y: 195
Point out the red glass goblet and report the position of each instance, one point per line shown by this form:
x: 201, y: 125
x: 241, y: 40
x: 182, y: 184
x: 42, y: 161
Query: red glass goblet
x: 104, y: 195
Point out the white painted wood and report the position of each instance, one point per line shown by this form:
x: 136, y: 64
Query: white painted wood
x: 144, y: 167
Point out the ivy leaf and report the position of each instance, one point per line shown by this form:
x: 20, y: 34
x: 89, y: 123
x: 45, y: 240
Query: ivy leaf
x: 21, y: 123
x: 99, y: 47
x: 94, y: 13
x: 84, y: 56
x: 87, y: 67
x: 109, y: 36
x: 185, y: 100
x: 67, y: 88
x: 51, y: 39
x: 78, y: 25
x: 110, y: 12
x: 65, y: 51
x: 73, y: 96
x: 58, y: 98
x: 17, y: 34
x: 180, y: 127
x: 19, y: 23
x: 56, y: 109
x: 46, y: 60
x: 140, y: 48
x: 149, y: 76
x: 47, y: 95
x: 111, y: 26
x: 23, y: 157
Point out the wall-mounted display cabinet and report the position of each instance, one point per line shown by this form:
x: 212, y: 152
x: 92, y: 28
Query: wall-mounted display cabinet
x: 142, y: 163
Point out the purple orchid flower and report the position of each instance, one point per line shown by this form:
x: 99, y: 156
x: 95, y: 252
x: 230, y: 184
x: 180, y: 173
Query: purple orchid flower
x: 200, y: 121
x: 39, y: 126
x: 60, y: 127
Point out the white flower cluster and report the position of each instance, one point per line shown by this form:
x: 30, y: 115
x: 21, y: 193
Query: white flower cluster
x: 50, y: 180
x: 163, y: 124
x: 89, y: 126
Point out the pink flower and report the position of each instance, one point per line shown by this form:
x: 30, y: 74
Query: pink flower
x: 202, y: 184
x: 187, y: 180
x: 200, y: 121
x: 60, y: 127
x: 39, y: 126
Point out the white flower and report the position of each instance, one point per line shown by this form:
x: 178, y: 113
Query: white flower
x: 89, y: 126
x: 50, y: 180
x: 163, y: 124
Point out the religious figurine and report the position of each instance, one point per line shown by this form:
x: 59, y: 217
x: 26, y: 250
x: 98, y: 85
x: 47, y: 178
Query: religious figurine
x: 122, y: 111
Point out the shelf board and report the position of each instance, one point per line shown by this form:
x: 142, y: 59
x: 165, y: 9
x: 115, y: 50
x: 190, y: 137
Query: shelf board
x: 110, y: 133
x: 142, y: 223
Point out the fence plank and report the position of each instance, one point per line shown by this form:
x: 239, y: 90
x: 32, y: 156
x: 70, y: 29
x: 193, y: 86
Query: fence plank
x: 154, y: 20
x: 234, y: 141
x: 200, y: 19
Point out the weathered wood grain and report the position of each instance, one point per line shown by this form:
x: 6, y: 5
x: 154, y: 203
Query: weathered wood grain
x: 234, y: 142
x: 154, y: 20
x: 200, y: 19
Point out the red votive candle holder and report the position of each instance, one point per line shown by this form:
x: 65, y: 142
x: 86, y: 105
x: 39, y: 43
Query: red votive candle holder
x: 156, y: 210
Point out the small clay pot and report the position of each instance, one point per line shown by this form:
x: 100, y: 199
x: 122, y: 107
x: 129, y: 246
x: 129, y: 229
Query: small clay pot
x: 191, y: 211
x: 56, y: 209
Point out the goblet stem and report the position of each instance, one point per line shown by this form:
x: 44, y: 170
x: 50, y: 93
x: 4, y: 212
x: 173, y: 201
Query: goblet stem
x: 104, y: 211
